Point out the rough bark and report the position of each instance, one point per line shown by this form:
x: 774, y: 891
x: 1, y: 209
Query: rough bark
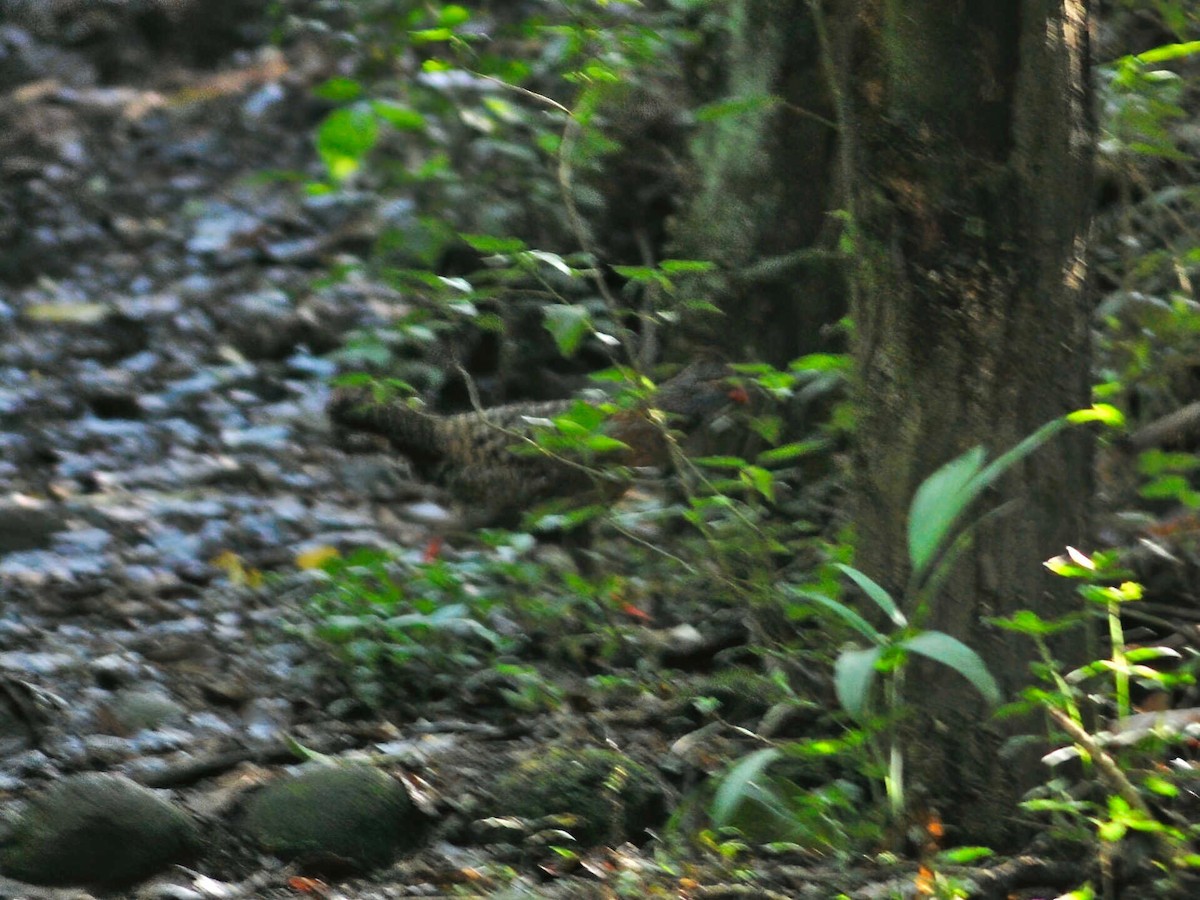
x: 966, y: 139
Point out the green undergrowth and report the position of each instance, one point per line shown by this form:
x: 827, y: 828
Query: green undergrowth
x: 496, y: 135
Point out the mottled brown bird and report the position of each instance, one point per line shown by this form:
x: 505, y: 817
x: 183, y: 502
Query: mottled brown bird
x: 485, y: 462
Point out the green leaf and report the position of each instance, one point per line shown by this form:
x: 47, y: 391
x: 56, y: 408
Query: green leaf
x: 638, y: 273
x: 567, y: 324
x: 853, y: 675
x: 1104, y: 413
x: 943, y: 496
x: 339, y: 90
x: 735, y: 786
x: 398, y: 116
x: 431, y: 35
x: 452, y: 15
x: 761, y: 480
x: 344, y: 138
x: 720, y: 462
x: 1168, y: 52
x: 686, y: 266
x: 963, y: 856
x: 951, y: 652
x: 486, y: 243
x: 821, y: 362
x: 790, y: 451
x: 1027, y: 622
x: 937, y: 504
x: 602, y: 443
x: 842, y: 611
x: 876, y: 592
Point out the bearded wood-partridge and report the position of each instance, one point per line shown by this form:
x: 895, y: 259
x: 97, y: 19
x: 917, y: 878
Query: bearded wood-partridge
x: 490, y: 467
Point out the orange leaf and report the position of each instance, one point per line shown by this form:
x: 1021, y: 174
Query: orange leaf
x: 634, y: 613
x: 433, y: 550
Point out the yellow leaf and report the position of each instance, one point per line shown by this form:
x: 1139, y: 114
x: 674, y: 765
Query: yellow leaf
x: 316, y: 557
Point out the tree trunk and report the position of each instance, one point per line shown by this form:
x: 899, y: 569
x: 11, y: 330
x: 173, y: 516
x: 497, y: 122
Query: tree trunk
x: 763, y: 189
x: 967, y: 134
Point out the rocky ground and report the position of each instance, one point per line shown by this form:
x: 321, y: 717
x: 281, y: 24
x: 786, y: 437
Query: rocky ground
x: 166, y: 469
x: 166, y: 461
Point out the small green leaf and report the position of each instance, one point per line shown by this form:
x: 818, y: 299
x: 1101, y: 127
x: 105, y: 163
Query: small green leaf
x: 761, y: 480
x: 452, y: 15
x: 720, y: 462
x: 853, y: 675
x: 567, y: 324
x: 821, y: 362
x: 638, y: 273
x: 431, y: 35
x: 790, y: 451
x: 398, y: 116
x: 1026, y: 621
x: 951, y: 652
x: 486, y: 243
x: 963, y: 856
x: 602, y: 443
x: 345, y: 137
x: 339, y: 90
x: 1104, y: 413
x: 686, y: 266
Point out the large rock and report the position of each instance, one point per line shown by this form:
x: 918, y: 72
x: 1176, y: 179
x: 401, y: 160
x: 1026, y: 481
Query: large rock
x: 96, y: 830
x: 334, y: 819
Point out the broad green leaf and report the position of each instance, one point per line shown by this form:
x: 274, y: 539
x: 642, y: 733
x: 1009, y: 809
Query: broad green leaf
x: 937, y: 504
x: 951, y: 652
x: 876, y: 592
x: 942, y: 497
x: 946, y: 561
x: 735, y: 786
x: 843, y: 612
x: 853, y: 675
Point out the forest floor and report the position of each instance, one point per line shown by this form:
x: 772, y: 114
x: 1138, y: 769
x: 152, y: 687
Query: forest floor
x: 167, y: 467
